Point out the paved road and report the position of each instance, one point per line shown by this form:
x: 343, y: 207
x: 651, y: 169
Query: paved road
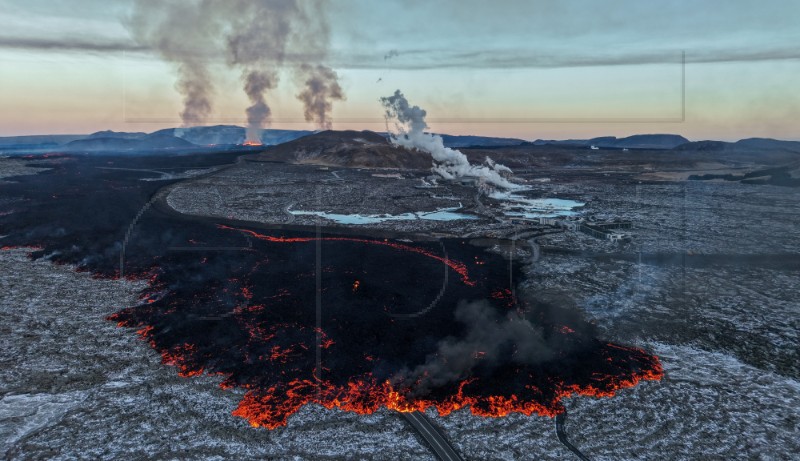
x: 440, y: 446
x: 164, y: 175
x: 562, y: 436
x: 289, y: 215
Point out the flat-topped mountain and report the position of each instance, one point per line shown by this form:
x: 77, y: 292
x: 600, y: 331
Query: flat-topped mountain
x: 638, y: 141
x: 364, y: 149
x: 113, y: 144
x: 230, y: 134
x: 749, y: 145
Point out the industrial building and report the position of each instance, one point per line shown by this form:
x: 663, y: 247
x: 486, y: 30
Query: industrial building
x: 610, y: 230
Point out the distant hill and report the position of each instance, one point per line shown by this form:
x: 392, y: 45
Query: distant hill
x: 767, y: 143
x: 207, y: 135
x: 116, y: 134
x: 639, y: 141
x: 38, y: 141
x: 230, y: 134
x: 226, y: 135
x: 365, y: 149
x: 650, y: 141
x: 275, y: 137
x: 457, y: 142
x: 149, y: 142
x: 704, y: 146
x: 745, y: 145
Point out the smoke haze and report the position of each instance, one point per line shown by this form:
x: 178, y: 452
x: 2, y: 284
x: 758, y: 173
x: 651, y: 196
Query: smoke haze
x: 182, y: 33
x: 489, y: 339
x: 321, y: 89
x: 493, y: 339
x: 253, y: 36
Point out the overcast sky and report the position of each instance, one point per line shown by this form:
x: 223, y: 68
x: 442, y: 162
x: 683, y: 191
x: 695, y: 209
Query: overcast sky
x: 529, y: 69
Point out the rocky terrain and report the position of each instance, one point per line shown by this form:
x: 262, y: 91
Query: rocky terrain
x: 364, y: 149
x: 708, y: 283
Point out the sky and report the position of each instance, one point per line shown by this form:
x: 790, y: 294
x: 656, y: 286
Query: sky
x: 530, y: 69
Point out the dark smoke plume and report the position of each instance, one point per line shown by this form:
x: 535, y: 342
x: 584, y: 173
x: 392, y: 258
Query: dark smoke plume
x: 492, y: 340
x: 256, y: 85
x: 257, y: 41
x: 259, y: 37
x: 320, y: 83
x: 182, y: 33
x: 321, y: 89
x: 488, y: 339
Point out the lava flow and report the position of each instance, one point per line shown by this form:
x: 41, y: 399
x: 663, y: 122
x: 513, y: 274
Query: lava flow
x: 264, y: 338
x: 348, y: 323
x: 458, y: 267
x: 271, y: 407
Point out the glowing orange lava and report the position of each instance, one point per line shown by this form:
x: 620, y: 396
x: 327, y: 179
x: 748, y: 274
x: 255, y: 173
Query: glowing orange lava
x: 457, y: 266
x: 270, y: 408
x: 266, y: 342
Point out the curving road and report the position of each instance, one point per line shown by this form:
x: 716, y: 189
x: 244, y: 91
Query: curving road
x: 440, y: 446
x: 562, y: 436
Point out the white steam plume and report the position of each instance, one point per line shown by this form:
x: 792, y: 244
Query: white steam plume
x: 448, y: 163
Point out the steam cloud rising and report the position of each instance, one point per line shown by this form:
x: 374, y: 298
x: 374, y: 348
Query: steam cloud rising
x: 258, y: 37
x: 448, y: 163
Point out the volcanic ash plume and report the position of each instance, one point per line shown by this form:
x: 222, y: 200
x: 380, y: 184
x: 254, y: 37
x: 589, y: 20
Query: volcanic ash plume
x: 183, y: 34
x: 257, y: 42
x: 321, y: 89
x: 257, y: 37
x: 256, y: 85
x: 448, y: 163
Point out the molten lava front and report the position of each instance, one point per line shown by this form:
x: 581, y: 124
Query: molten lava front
x: 263, y: 336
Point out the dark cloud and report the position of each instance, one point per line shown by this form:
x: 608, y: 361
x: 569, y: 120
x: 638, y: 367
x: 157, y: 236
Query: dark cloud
x: 520, y: 59
x: 68, y: 44
x: 422, y: 59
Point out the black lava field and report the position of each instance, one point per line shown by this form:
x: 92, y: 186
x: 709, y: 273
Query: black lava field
x: 299, y: 316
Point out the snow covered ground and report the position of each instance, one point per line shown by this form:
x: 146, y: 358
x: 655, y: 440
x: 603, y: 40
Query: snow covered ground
x: 75, y: 386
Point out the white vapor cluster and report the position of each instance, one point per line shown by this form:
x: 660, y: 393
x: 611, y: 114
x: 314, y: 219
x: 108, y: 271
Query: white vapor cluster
x: 448, y: 163
x: 256, y: 37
